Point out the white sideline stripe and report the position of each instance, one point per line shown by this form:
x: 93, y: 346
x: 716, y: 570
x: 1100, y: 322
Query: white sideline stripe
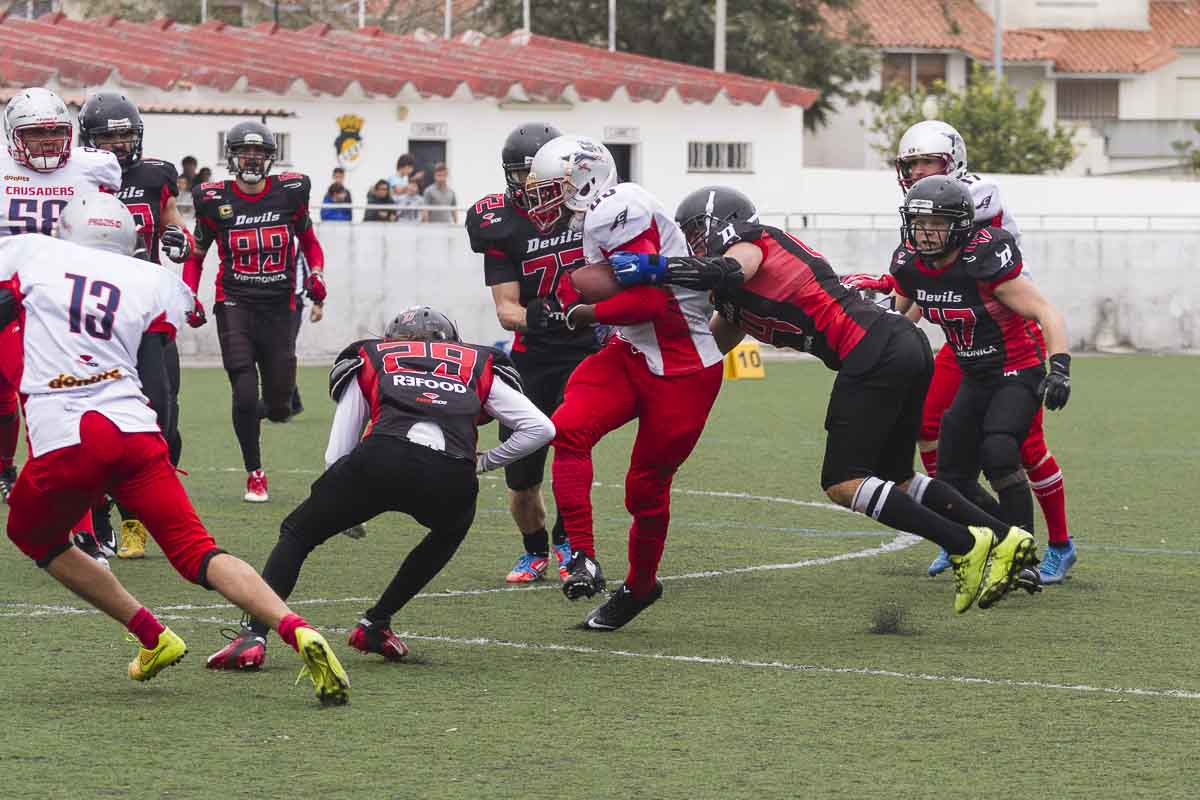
x: 900, y: 542
x: 725, y: 661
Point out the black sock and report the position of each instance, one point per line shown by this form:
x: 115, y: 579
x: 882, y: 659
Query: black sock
x: 537, y: 542
x: 944, y: 499
x: 1016, y: 505
x: 560, y: 531
x: 893, y: 507
x: 983, y: 498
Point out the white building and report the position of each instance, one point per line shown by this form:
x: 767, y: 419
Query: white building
x: 670, y: 126
x: 1125, y: 73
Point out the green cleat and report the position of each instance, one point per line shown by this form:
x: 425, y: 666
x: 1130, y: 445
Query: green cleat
x: 148, y: 663
x: 969, y: 569
x: 328, y: 676
x: 1015, y: 553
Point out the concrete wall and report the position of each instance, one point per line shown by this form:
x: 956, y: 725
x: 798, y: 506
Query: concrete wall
x: 1130, y: 14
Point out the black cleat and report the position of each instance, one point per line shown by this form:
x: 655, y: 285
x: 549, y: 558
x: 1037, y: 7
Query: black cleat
x: 584, y: 578
x: 620, y: 608
x: 7, y: 478
x: 86, y: 542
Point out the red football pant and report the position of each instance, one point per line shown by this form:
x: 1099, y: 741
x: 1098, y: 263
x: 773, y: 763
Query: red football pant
x: 1044, y: 474
x: 57, y: 488
x: 607, y: 390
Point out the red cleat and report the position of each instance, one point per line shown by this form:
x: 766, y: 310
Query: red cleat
x: 247, y: 651
x: 373, y: 638
x: 256, y: 487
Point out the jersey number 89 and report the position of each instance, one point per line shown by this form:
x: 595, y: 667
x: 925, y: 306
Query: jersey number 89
x: 258, y: 250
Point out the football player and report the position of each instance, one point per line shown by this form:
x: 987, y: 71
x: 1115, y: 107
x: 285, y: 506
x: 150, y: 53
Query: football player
x: 934, y: 148
x: 522, y: 264
x: 419, y: 394
x: 39, y: 175
x: 95, y: 324
x: 969, y: 281
x: 111, y: 121
x: 256, y: 221
x: 662, y: 368
x: 771, y: 285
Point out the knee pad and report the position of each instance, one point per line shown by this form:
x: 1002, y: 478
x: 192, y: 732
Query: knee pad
x: 1000, y: 457
x: 871, y: 495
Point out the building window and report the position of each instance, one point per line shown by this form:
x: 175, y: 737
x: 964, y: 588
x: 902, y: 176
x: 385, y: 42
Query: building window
x: 283, y: 148
x: 1087, y: 100
x: 907, y: 71
x: 719, y: 157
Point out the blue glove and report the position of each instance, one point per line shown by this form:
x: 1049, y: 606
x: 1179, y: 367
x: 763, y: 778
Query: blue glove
x: 637, y: 269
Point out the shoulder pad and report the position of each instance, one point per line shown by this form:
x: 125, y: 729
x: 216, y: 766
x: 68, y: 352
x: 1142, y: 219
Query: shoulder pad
x: 348, y: 362
x: 902, y: 256
x: 504, y: 369
x: 492, y: 219
x: 291, y: 176
x: 618, y: 216
x: 991, y: 255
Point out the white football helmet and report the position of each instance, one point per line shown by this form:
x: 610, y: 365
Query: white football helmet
x: 931, y: 139
x: 567, y: 172
x: 101, y: 221
x: 38, y: 128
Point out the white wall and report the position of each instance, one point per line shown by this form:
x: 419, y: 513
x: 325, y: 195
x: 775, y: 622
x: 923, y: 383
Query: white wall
x: 475, y: 130
x: 1129, y: 14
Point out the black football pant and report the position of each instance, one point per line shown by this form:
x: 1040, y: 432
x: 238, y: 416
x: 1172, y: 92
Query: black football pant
x: 297, y: 405
x: 983, y: 430
x: 382, y: 473
x: 254, y: 340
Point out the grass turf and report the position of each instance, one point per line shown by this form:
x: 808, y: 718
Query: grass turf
x: 834, y: 679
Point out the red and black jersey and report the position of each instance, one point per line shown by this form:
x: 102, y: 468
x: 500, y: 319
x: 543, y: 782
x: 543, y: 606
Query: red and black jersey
x: 145, y: 189
x: 255, y: 236
x: 988, y: 337
x: 514, y: 250
x: 407, y: 383
x: 796, y: 300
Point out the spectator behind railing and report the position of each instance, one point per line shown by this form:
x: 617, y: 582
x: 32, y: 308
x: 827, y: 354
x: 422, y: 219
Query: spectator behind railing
x: 203, y: 175
x: 380, y: 205
x: 439, y: 193
x: 409, y: 202
x: 188, y: 169
x: 335, y: 207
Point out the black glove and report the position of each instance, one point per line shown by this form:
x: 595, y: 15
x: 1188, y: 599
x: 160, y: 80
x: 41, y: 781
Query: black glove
x: 176, y: 243
x: 702, y: 273
x: 544, y: 314
x: 1056, y: 387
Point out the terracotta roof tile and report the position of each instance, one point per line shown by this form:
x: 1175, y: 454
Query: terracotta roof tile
x: 270, y: 59
x: 1178, y: 21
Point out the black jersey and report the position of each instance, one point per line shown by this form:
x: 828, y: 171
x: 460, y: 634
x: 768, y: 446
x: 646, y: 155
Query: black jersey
x: 514, y: 250
x: 988, y: 337
x: 255, y: 235
x: 145, y: 189
x: 796, y: 300
x: 411, y: 382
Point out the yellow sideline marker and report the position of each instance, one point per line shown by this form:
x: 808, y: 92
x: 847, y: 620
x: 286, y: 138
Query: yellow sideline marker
x: 744, y: 362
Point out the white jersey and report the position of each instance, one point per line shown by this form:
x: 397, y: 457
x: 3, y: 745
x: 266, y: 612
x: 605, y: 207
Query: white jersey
x: 30, y: 201
x: 85, y: 312
x: 990, y: 210
x: 677, y: 346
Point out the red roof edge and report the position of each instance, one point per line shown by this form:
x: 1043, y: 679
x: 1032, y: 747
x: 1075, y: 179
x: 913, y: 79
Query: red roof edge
x: 53, y: 18
x: 317, y: 29
x: 268, y: 28
x: 213, y: 25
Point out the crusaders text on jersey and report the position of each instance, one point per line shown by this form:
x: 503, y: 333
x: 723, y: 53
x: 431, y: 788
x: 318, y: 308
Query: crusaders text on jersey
x: 30, y: 201
x: 255, y: 236
x: 988, y: 337
x: 145, y: 189
x: 514, y: 250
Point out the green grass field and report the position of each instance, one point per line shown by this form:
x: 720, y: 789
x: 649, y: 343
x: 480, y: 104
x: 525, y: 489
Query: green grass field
x: 745, y: 681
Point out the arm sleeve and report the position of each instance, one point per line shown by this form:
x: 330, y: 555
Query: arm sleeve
x: 152, y: 370
x: 531, y: 429
x: 633, y: 305
x: 348, y: 421
x: 9, y: 306
x: 311, y: 248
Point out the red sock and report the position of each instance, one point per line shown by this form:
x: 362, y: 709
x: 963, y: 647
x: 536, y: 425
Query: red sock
x: 287, y: 629
x: 146, y: 628
x: 1047, y: 481
x: 572, y: 474
x: 10, y: 429
x: 646, y: 541
x: 85, y: 525
x: 929, y: 460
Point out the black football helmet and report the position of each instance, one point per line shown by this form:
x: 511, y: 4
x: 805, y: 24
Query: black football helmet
x: 250, y: 167
x: 112, y: 112
x: 943, y: 197
x: 706, y: 212
x: 422, y: 322
x: 519, y: 149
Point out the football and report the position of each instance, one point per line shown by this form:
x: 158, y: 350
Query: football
x: 595, y: 282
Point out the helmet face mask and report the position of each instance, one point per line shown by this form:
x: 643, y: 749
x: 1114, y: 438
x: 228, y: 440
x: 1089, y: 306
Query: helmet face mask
x: 544, y: 203
x: 931, y: 139
x: 110, y: 121
x: 250, y: 151
x: 705, y: 214
x: 568, y: 172
x: 938, y: 216
x: 38, y: 128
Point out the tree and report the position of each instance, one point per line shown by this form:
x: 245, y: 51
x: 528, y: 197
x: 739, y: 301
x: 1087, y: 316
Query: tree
x: 1002, y: 134
x: 790, y: 41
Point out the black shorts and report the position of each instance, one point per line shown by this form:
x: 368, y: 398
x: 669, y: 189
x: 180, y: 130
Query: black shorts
x: 874, y: 412
x: 544, y: 378
x: 1003, y: 404
x: 260, y: 336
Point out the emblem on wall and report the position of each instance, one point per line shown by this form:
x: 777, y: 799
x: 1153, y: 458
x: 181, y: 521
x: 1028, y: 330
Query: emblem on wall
x: 349, y: 144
